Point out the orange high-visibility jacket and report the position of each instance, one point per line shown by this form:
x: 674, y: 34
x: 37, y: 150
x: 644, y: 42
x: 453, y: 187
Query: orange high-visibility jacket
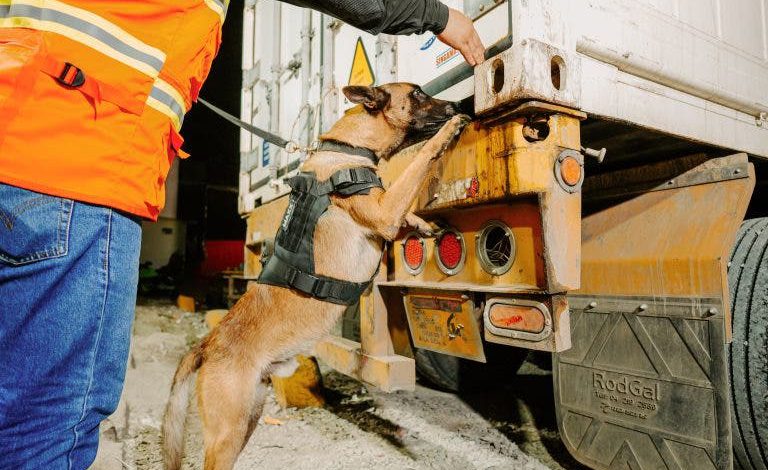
x: 93, y: 93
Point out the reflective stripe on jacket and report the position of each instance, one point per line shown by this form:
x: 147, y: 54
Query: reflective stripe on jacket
x: 93, y: 94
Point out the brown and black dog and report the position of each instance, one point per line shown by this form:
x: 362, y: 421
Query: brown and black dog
x: 269, y: 325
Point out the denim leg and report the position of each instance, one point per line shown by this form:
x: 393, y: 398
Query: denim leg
x: 68, y: 277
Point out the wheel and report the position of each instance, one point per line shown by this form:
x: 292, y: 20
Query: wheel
x: 455, y: 374
x: 748, y: 353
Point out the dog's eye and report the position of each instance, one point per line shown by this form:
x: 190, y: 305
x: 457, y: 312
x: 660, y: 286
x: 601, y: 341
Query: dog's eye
x: 417, y: 93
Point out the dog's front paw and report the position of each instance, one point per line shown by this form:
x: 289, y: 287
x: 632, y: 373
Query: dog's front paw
x: 460, y: 121
x: 421, y: 225
x: 449, y: 132
x: 456, y: 124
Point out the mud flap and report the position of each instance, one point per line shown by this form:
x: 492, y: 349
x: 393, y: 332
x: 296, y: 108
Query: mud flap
x: 645, y: 384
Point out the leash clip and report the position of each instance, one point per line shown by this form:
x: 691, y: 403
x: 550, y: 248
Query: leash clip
x: 293, y: 147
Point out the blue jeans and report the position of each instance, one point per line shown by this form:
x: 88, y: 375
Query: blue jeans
x: 68, y: 278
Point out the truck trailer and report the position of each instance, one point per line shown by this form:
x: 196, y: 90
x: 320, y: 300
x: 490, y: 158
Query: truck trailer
x: 607, y: 205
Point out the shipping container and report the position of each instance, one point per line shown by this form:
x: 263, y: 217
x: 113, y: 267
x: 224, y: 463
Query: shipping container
x: 696, y: 69
x: 595, y: 209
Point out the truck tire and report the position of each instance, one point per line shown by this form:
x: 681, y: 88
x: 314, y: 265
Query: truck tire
x: 454, y: 374
x: 748, y: 353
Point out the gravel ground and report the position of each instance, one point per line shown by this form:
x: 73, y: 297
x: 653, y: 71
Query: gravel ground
x: 360, y: 428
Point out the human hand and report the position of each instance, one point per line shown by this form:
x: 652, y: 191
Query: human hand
x: 460, y: 33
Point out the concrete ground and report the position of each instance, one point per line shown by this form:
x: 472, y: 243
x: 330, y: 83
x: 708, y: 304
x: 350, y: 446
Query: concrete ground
x: 360, y: 428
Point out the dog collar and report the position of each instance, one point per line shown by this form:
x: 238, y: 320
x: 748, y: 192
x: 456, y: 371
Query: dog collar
x: 335, y: 146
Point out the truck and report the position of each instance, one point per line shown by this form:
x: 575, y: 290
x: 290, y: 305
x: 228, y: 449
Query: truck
x: 607, y: 206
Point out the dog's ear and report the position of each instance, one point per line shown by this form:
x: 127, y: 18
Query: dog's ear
x: 373, y: 98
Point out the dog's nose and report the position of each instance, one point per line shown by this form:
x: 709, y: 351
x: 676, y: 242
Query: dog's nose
x: 466, y: 106
x: 452, y: 109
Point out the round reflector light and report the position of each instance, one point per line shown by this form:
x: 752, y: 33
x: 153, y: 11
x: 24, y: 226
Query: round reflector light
x: 450, y: 252
x: 570, y: 170
x: 413, y: 253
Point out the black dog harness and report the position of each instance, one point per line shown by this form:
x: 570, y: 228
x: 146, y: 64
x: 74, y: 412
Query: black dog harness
x: 292, y: 262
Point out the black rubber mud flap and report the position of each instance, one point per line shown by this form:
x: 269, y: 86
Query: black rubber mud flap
x: 645, y: 385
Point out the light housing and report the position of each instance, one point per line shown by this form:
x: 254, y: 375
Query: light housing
x: 496, y: 248
x: 516, y: 318
x: 569, y: 170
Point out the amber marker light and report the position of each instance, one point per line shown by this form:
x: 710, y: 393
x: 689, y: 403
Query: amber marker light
x: 570, y: 171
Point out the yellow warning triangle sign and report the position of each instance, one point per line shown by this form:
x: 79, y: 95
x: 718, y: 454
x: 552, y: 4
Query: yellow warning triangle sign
x: 361, y: 72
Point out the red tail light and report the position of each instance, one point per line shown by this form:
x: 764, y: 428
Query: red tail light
x: 450, y: 252
x: 413, y: 253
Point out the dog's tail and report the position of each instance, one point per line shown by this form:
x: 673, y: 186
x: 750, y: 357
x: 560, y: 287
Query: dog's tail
x: 176, y: 412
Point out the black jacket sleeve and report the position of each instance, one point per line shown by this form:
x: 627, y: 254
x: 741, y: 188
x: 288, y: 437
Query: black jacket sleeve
x: 384, y: 16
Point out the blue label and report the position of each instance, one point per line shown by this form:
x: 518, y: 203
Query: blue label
x: 264, y: 153
x: 428, y: 44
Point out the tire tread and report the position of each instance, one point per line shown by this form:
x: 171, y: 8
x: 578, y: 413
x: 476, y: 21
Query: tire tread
x: 748, y: 279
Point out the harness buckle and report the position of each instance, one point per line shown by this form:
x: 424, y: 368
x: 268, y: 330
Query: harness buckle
x: 322, y: 289
x: 302, y: 281
x: 71, y: 78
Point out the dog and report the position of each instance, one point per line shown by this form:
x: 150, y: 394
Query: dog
x: 269, y: 325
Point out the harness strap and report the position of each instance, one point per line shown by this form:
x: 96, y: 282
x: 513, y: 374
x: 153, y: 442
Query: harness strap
x: 341, y: 147
x: 278, y: 272
x: 347, y: 182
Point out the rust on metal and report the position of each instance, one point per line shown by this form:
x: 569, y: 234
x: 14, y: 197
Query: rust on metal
x: 261, y: 226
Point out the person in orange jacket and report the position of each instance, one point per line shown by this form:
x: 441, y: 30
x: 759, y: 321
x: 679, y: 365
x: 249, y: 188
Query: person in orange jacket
x: 92, y: 98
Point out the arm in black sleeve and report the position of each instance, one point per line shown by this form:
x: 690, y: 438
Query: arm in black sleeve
x: 384, y: 16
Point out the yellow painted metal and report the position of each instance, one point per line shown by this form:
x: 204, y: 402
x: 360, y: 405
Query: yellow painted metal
x: 527, y: 271
x: 505, y: 163
x: 444, y: 323
x: 262, y: 224
x: 494, y: 172
x: 388, y: 373
x: 666, y: 243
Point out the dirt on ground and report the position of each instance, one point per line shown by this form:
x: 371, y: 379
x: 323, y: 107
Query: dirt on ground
x: 359, y: 428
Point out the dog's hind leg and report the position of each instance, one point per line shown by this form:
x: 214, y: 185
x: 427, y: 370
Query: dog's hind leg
x: 226, y: 399
x: 260, y: 396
